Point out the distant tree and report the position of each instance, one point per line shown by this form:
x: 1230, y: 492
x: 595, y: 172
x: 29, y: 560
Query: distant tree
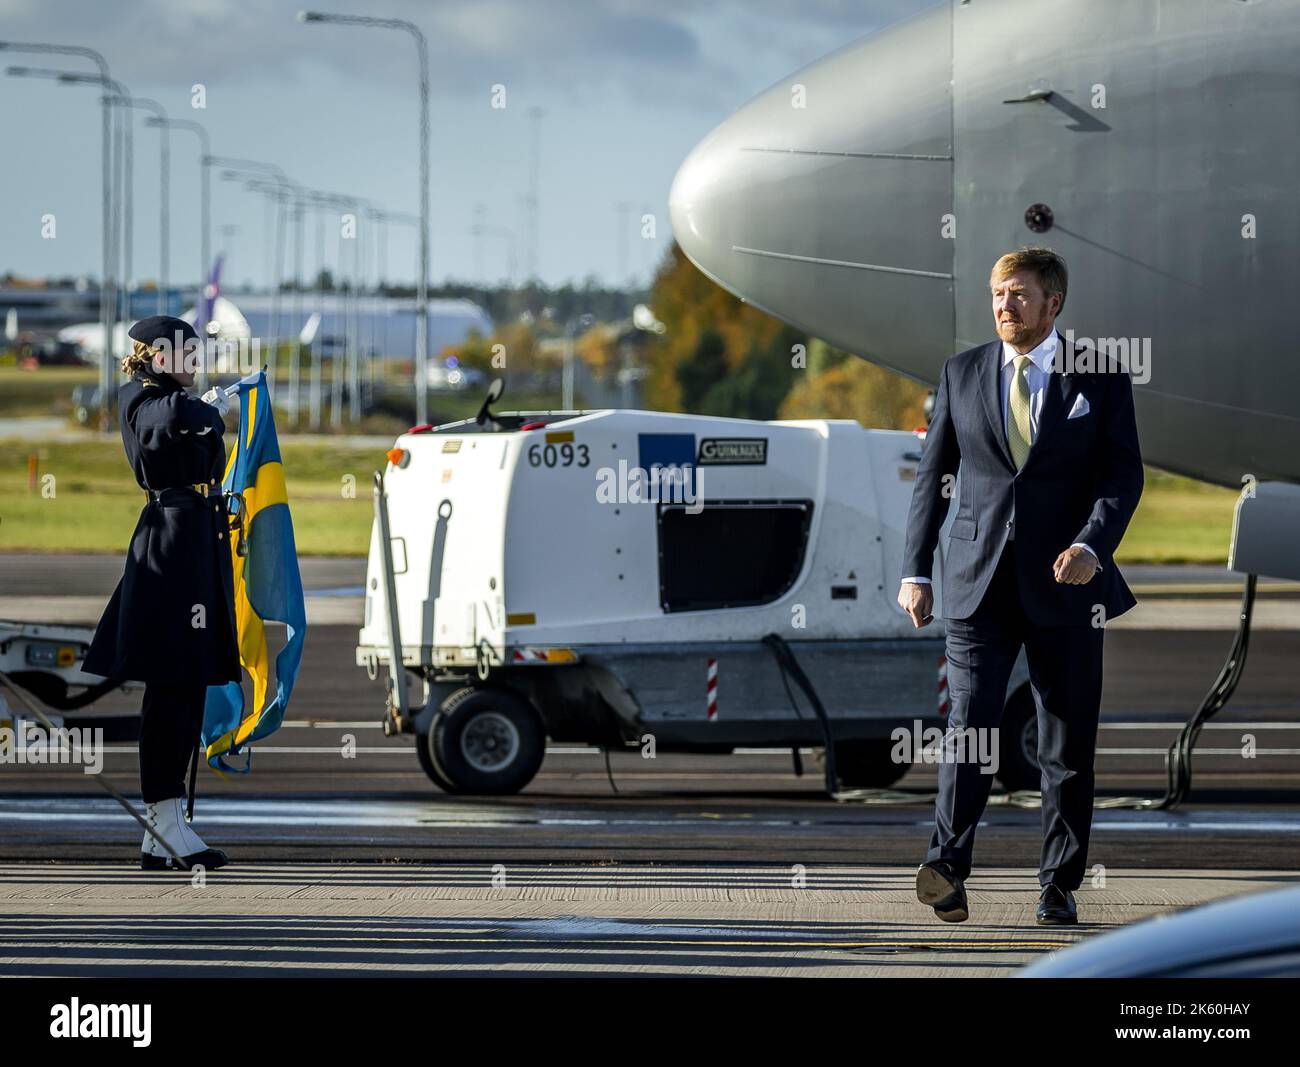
x: 754, y: 390
x: 699, y: 375
x: 847, y: 387
x: 822, y: 357
x: 598, y: 348
x: 517, y: 350
x: 740, y: 376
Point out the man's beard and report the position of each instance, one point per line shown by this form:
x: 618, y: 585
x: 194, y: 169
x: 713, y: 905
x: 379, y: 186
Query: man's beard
x: 1017, y: 332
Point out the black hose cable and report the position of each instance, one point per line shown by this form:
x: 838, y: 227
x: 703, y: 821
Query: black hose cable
x: 788, y: 665
x: 796, y: 759
x: 609, y: 771
x: 1178, y: 760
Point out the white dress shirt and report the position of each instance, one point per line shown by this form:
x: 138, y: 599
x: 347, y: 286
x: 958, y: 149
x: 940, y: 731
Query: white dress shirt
x: 1037, y: 374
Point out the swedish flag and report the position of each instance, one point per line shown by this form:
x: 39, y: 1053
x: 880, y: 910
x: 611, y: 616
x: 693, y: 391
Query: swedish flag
x: 268, y: 587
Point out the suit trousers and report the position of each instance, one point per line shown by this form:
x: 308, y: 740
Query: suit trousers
x: 170, y: 723
x: 1065, y: 677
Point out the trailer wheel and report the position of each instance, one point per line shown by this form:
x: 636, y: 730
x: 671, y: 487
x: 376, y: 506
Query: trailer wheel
x: 487, y: 741
x: 867, y: 764
x: 424, y: 750
x: 1018, y: 743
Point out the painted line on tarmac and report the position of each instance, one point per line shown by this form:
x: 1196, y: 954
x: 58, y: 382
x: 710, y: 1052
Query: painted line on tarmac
x: 433, y: 813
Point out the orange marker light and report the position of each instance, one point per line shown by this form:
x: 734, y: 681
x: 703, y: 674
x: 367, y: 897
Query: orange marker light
x: 399, y: 457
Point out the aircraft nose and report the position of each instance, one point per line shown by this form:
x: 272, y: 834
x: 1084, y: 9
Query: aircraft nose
x: 823, y: 200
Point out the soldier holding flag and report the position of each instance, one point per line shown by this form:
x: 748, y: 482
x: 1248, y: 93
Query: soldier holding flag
x: 171, y: 620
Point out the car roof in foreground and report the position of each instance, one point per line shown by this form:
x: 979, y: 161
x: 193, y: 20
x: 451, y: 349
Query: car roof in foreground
x: 1227, y: 933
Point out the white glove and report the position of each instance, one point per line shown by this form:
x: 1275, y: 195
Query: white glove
x: 217, y: 398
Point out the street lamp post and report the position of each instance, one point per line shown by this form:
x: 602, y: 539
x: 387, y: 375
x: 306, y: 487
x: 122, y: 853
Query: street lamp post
x: 285, y: 185
x: 422, y: 292
x: 384, y: 218
x: 201, y: 315
x: 164, y: 191
x: 107, y: 377
x: 359, y: 207
x: 480, y: 229
x: 294, y: 365
x: 566, y: 380
x: 276, y: 200
x: 350, y: 305
x: 120, y: 99
x: 126, y: 131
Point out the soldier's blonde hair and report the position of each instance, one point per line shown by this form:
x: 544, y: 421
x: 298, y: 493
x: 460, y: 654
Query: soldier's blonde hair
x: 140, y: 357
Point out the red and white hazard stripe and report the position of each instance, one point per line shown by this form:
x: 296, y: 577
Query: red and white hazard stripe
x: 712, y: 702
x: 529, y: 655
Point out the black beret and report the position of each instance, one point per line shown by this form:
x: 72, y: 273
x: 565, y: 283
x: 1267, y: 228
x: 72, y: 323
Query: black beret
x: 162, y: 328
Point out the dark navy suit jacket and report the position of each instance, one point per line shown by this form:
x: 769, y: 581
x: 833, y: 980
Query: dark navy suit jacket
x: 1080, y: 482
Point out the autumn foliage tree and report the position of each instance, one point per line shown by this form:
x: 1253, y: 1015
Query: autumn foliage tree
x: 717, y: 354
x: 721, y: 356
x: 511, y: 347
x: 839, y: 385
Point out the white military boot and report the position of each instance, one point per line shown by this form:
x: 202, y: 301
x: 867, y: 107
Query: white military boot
x: 167, y: 818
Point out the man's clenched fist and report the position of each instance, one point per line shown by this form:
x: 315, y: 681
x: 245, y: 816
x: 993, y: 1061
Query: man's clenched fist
x: 1075, y: 566
x: 917, y: 599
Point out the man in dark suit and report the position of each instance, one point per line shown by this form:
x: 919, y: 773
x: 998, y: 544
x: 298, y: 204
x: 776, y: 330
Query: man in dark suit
x: 1051, y: 472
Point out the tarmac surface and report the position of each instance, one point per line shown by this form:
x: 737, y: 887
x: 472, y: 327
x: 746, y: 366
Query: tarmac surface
x: 308, y: 920
x: 346, y: 859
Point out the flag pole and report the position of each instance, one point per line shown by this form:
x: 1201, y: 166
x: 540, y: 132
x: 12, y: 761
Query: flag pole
x: 232, y: 390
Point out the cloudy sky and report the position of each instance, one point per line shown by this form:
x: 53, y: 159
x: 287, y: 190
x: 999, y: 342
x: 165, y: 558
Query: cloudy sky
x: 627, y: 87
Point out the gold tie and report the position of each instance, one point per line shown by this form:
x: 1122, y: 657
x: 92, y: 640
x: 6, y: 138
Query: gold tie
x: 1018, y: 435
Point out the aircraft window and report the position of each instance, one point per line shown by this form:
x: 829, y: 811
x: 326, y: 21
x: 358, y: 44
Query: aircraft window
x: 731, y: 554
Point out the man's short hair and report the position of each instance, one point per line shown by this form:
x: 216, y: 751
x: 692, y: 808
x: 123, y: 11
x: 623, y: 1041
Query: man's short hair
x: 1043, y: 263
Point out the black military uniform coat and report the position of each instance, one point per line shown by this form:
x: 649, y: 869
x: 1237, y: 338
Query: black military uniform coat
x: 172, y: 617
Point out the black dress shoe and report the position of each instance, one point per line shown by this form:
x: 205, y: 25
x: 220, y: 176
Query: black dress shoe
x: 938, y: 885
x: 209, y: 859
x: 1056, y: 907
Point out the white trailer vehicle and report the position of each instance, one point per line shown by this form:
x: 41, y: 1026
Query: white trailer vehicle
x: 614, y: 576
x: 44, y: 659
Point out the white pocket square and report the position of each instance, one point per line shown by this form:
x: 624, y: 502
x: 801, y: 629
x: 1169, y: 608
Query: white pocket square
x: 1080, y: 407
